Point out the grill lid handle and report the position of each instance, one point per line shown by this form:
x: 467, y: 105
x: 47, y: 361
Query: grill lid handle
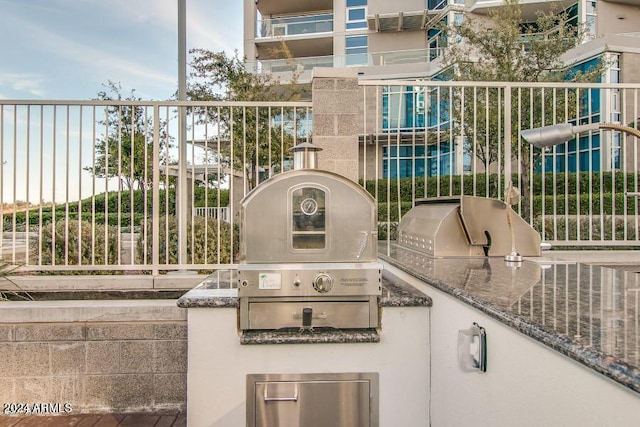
x: 364, y: 240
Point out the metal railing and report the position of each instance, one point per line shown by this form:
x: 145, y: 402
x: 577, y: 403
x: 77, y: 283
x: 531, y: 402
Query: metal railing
x: 433, y: 139
x: 91, y: 185
x: 219, y: 213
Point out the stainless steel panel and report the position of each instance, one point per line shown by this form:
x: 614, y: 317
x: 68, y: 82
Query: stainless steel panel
x: 480, y: 215
x: 458, y: 226
x: 435, y: 229
x: 288, y: 314
x: 348, y: 216
x: 301, y: 279
x: 313, y: 400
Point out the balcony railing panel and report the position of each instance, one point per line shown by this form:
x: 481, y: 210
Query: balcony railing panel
x: 295, y: 25
x: 90, y: 186
x: 433, y: 139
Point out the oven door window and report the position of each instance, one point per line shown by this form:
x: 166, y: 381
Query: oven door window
x: 308, y: 218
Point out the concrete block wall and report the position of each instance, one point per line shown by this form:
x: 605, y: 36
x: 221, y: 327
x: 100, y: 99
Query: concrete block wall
x: 95, y: 356
x: 335, y: 119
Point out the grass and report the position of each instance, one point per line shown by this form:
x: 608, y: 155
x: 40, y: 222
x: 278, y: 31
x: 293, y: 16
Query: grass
x: 11, y: 295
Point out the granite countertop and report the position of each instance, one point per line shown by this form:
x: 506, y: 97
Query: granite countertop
x: 219, y: 290
x: 586, y: 312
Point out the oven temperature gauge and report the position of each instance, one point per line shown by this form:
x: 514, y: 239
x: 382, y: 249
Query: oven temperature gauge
x: 322, y: 283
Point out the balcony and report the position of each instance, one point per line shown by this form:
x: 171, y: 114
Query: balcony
x: 307, y: 63
x: 530, y: 8
x: 281, y: 7
x: 287, y: 26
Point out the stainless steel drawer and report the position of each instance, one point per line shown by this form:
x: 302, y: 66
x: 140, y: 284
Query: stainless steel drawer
x: 312, y: 400
x: 343, y: 314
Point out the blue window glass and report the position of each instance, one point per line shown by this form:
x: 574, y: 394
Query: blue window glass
x: 403, y: 109
x: 356, y: 41
x: 408, y: 160
x: 356, y: 14
x: 356, y: 3
x: 356, y: 50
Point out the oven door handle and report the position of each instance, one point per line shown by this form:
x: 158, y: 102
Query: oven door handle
x: 280, y: 399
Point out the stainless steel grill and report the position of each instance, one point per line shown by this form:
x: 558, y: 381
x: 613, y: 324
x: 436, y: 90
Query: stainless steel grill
x: 308, y: 251
x: 466, y: 226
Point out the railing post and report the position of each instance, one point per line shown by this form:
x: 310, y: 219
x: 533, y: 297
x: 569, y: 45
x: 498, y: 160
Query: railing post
x: 182, y: 197
x: 507, y: 135
x: 335, y: 94
x: 155, y: 196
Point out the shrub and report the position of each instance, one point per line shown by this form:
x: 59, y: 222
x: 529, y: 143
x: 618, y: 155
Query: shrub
x: 73, y: 245
x: 196, y: 251
x: 594, y: 228
x: 387, y: 229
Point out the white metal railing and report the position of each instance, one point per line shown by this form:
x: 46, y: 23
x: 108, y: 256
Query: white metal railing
x: 219, y: 213
x: 92, y: 185
x: 453, y: 138
x: 95, y: 185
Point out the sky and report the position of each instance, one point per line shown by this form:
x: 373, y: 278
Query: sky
x: 67, y: 49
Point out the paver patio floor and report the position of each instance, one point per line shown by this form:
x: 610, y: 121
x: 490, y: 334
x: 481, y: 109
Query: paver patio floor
x: 98, y: 420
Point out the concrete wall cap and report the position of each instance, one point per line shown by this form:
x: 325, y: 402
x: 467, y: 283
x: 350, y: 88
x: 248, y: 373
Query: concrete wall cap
x: 334, y: 73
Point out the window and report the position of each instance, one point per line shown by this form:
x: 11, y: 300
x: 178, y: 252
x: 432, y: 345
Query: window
x: 403, y: 108
x: 356, y: 14
x: 571, y: 157
x: 356, y: 50
x: 405, y: 161
x: 308, y: 218
x: 436, y: 39
x: 591, y: 16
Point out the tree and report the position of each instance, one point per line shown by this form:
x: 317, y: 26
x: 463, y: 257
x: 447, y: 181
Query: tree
x: 261, y: 135
x: 506, y: 48
x: 125, y: 150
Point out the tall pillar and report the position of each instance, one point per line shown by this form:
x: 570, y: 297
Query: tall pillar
x: 335, y: 119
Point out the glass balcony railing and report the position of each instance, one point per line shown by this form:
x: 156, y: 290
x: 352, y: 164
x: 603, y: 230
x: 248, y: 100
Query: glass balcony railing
x: 295, y: 25
x: 441, y: 4
x: 415, y: 56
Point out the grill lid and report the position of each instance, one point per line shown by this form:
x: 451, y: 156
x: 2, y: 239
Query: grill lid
x: 465, y: 226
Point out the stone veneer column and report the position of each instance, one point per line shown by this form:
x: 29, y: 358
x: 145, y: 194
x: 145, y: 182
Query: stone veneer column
x: 335, y: 119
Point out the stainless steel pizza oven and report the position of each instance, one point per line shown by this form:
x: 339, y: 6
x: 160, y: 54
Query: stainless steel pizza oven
x: 308, y: 251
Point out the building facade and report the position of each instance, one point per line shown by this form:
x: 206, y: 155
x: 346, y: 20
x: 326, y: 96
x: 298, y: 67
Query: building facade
x: 402, y: 40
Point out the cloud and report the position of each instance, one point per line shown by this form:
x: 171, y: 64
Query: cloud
x: 210, y: 24
x: 21, y: 82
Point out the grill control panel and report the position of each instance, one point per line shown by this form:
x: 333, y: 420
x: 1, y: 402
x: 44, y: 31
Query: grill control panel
x: 309, y: 280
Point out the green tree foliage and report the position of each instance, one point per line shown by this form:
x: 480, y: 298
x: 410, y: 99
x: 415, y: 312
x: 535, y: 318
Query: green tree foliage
x: 254, y: 138
x: 506, y: 48
x: 73, y: 242
x: 125, y: 149
x: 203, y: 246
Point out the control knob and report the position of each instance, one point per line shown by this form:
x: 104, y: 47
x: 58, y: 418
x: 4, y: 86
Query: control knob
x: 322, y: 283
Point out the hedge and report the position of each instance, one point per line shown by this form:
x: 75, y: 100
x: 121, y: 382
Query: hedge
x: 168, y: 243
x: 569, y: 227
x: 453, y: 184
x: 73, y: 245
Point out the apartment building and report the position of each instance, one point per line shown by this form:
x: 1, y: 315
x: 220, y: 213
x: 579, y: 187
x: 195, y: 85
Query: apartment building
x: 402, y: 40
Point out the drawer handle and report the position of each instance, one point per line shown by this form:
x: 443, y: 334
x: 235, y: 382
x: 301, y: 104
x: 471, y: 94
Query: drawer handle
x: 293, y: 398
x: 298, y: 316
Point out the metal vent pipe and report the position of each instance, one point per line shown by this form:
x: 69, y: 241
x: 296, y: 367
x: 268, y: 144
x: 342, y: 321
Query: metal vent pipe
x: 305, y: 156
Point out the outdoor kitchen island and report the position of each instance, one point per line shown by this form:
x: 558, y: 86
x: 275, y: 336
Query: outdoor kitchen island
x: 563, y: 338
x: 221, y: 355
